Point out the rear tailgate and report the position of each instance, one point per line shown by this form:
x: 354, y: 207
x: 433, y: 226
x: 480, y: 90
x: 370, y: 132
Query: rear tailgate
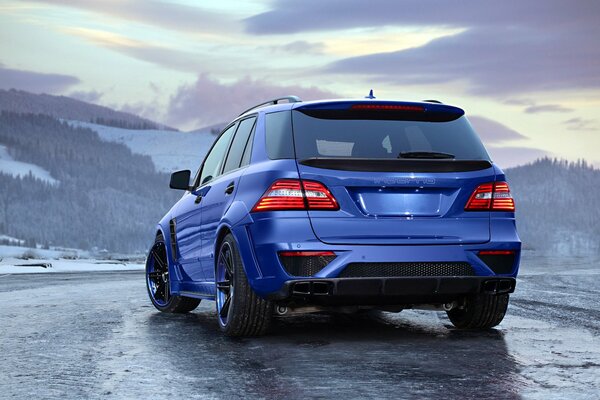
x: 399, y: 207
x: 385, y: 199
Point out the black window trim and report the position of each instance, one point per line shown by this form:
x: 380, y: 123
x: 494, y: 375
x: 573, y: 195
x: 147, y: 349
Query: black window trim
x: 231, y: 144
x: 250, y: 144
x: 197, y: 184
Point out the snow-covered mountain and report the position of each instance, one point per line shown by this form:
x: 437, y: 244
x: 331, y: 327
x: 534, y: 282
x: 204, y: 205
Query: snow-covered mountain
x: 63, y: 107
x: 170, y: 151
x: 67, y: 178
x: 105, y: 195
x: 556, y: 206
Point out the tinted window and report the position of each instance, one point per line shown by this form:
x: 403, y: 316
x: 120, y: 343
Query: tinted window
x: 278, y: 132
x: 248, y: 149
x: 238, y: 145
x: 214, y: 160
x: 316, y: 137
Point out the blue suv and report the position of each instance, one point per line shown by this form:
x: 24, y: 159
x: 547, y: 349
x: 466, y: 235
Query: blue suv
x: 339, y: 205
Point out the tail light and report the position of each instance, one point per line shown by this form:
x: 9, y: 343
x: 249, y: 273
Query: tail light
x: 293, y: 194
x: 306, y: 253
x: 502, y: 199
x: 493, y: 196
x: 496, y: 252
x: 387, y: 107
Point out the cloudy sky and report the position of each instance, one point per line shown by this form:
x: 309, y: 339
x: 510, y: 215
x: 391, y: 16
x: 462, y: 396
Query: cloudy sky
x: 527, y: 73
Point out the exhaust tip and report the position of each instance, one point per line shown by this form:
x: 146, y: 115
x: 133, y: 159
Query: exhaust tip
x: 490, y: 286
x: 498, y: 286
x: 321, y: 288
x: 301, y: 288
x: 505, y: 286
x: 316, y: 288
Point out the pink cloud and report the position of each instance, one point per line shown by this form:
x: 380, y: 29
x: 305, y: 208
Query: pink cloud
x: 507, y: 157
x: 207, y: 101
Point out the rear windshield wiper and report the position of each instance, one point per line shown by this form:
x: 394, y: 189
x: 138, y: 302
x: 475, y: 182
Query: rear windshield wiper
x: 425, y: 154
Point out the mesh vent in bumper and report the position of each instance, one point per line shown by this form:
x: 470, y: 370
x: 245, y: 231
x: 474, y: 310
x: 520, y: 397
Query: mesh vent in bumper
x: 304, y: 266
x: 399, y: 269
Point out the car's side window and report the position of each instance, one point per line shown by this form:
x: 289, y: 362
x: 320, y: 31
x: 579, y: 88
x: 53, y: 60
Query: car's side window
x: 248, y: 149
x: 278, y: 135
x: 238, y: 144
x: 214, y: 160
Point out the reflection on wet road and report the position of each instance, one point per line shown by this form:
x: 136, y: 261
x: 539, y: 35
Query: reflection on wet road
x: 95, y: 335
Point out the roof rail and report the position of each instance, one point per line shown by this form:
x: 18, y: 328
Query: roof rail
x: 433, y: 101
x: 290, y: 99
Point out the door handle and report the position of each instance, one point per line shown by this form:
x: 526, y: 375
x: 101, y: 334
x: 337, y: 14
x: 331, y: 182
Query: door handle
x: 200, y: 194
x: 230, y: 188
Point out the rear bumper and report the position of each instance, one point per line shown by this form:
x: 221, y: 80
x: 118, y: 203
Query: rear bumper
x: 262, y: 240
x: 405, y: 290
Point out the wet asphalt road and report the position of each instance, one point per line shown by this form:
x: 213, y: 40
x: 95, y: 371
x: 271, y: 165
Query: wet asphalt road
x: 95, y: 335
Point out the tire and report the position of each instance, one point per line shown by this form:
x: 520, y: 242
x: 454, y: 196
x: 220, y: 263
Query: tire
x: 481, y: 311
x: 240, y: 311
x: 158, y: 283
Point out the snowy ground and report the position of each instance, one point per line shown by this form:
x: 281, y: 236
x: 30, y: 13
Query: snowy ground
x: 95, y: 335
x: 22, y: 260
x: 37, y: 266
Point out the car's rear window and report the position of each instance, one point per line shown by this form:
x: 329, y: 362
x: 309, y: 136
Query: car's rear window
x: 373, y: 138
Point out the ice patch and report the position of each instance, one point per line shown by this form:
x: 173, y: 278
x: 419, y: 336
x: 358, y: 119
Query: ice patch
x: 557, y: 361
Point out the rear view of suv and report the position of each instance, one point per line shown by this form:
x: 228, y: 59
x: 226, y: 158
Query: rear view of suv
x: 340, y: 205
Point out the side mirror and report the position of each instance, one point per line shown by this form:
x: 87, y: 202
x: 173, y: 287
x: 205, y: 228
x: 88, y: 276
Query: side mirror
x: 180, y: 180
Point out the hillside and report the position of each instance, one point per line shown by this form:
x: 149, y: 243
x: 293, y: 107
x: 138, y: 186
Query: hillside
x: 107, y: 197
x: 556, y: 206
x: 170, y: 151
x: 10, y: 166
x: 214, y: 129
x: 68, y: 108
